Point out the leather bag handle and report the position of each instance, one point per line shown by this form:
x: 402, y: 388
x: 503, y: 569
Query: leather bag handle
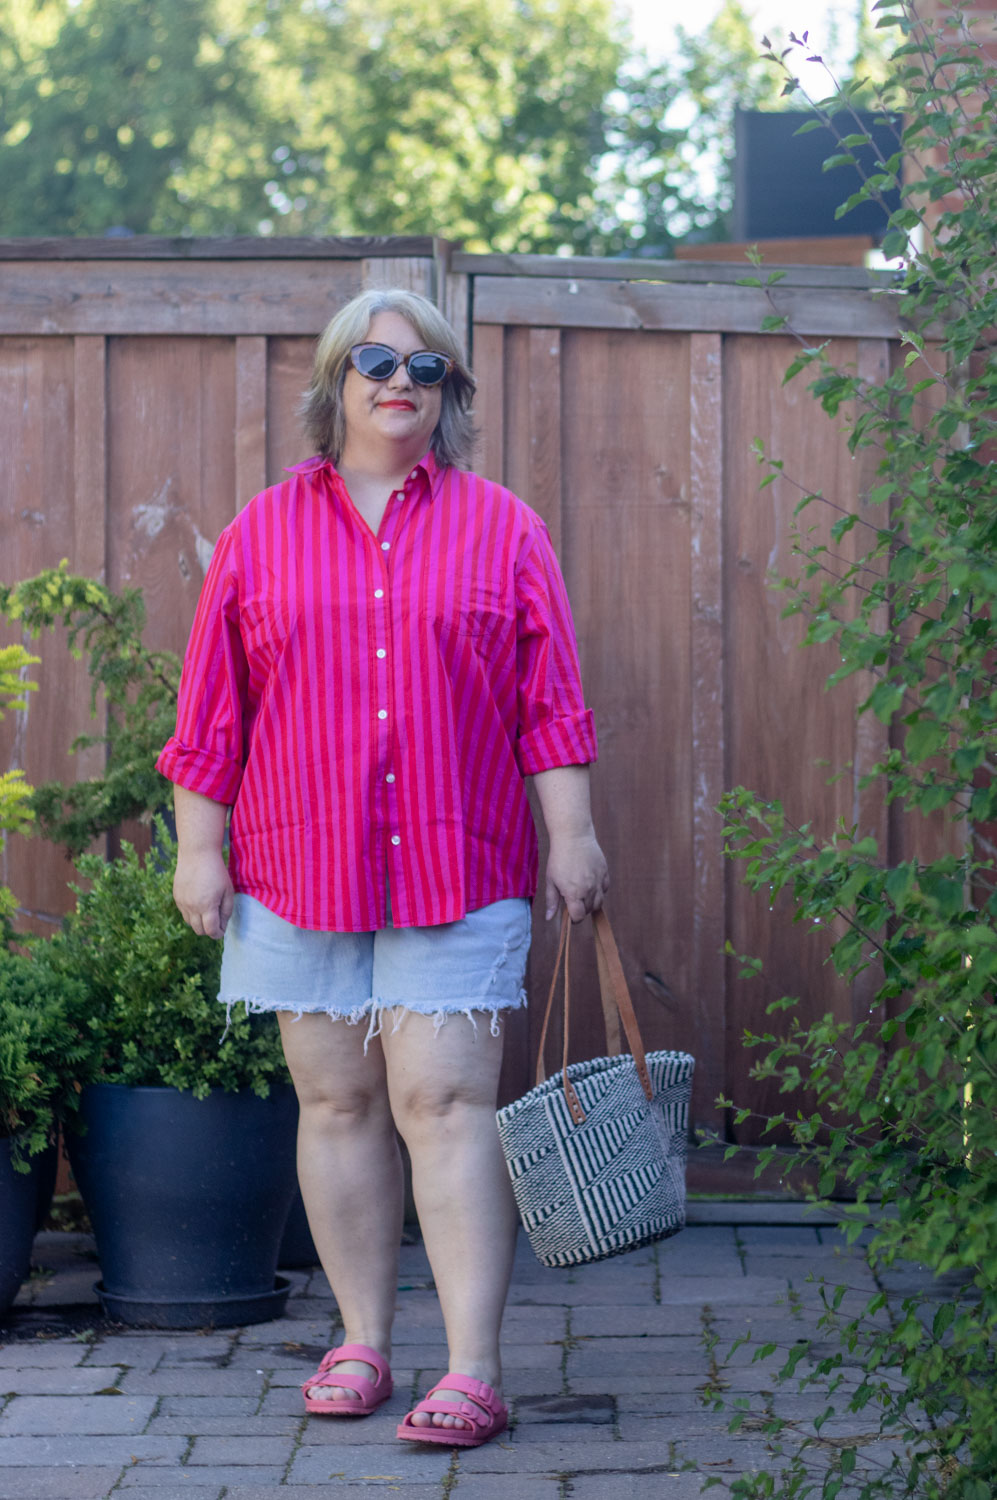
x: 616, y: 1006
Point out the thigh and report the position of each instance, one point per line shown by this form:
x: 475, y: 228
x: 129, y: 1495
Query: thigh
x: 330, y: 1060
x: 431, y: 1067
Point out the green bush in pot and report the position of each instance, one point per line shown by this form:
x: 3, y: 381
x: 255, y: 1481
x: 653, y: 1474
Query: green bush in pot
x: 46, y: 1053
x: 152, y: 984
x: 187, y: 1162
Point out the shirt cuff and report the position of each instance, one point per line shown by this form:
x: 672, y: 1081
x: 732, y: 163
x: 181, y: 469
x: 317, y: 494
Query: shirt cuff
x: 213, y: 776
x: 569, y: 741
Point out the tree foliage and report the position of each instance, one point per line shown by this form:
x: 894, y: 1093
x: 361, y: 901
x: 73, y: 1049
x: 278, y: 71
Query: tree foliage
x: 506, y: 124
x: 478, y: 120
x: 905, y: 1111
x: 133, y: 688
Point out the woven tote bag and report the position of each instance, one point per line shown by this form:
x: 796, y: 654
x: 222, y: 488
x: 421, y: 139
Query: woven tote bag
x: 597, y: 1153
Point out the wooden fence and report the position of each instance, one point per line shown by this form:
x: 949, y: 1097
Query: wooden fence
x: 148, y: 389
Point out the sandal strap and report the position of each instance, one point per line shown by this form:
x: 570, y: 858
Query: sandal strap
x: 365, y: 1388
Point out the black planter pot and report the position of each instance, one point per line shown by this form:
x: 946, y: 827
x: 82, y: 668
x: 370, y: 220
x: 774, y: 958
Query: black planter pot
x: 18, y: 1209
x: 297, y: 1248
x: 188, y: 1199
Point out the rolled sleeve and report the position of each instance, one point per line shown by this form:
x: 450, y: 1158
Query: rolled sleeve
x: 205, y: 755
x: 555, y: 727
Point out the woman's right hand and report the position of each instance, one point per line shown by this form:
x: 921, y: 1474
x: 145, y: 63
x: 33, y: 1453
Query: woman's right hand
x: 202, y: 889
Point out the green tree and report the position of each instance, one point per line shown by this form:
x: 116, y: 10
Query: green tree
x: 99, y: 103
x: 480, y: 120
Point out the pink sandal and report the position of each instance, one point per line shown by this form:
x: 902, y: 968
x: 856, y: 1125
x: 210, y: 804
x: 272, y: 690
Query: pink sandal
x: 371, y: 1393
x: 484, y: 1411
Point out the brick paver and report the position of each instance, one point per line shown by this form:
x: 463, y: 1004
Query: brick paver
x: 605, y: 1366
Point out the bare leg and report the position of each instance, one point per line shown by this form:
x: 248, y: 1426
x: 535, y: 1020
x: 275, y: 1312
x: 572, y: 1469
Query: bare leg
x: 351, y: 1177
x: 443, y: 1088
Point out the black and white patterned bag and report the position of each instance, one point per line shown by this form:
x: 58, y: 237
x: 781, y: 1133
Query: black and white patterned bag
x: 597, y: 1153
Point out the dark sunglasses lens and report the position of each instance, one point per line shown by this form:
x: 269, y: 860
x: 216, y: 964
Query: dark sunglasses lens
x: 375, y: 361
x: 427, y: 369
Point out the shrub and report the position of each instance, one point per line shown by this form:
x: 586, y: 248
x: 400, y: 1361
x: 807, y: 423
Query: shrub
x: 46, y: 1047
x: 152, y: 983
x: 905, y: 1103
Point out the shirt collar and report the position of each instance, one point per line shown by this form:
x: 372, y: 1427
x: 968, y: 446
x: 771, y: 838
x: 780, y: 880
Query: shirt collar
x: 314, y: 465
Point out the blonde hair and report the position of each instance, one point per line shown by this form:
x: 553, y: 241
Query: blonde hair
x: 322, y: 405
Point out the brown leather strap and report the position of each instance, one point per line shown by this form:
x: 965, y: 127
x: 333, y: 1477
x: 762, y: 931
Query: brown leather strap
x: 621, y: 995
x: 616, y: 1006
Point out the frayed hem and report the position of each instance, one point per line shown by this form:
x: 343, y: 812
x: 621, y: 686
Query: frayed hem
x: 374, y: 1010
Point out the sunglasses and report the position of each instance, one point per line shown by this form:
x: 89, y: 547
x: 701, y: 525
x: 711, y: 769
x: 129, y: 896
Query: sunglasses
x: 378, y: 362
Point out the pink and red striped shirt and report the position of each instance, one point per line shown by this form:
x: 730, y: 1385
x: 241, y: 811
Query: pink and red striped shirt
x: 369, y: 705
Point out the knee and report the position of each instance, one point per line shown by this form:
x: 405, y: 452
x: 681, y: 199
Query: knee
x: 434, y: 1104
x: 342, y: 1109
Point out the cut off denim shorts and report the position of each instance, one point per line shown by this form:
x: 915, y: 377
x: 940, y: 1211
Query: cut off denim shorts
x: 474, y: 965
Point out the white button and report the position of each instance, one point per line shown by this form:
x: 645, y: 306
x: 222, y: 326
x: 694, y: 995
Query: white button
x: 390, y: 776
x: 395, y: 839
x: 381, y: 653
x: 385, y: 546
x: 413, y: 473
x: 382, y: 713
x: 378, y: 593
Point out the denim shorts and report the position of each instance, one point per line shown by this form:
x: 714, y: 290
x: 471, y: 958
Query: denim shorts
x: 474, y: 965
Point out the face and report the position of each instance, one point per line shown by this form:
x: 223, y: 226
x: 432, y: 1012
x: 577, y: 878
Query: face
x: 395, y: 411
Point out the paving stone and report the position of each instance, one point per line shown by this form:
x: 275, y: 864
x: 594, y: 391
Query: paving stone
x: 74, y: 1380
x: 658, y: 1486
x: 165, y: 1483
x: 137, y: 1350
x: 553, y: 1457
x: 198, y: 1407
x: 660, y: 1403
x: 225, y: 1427
x: 666, y: 1321
x: 546, y: 1411
x: 292, y: 1330
x: 645, y: 1355
x: 394, y: 1463
x: 92, y: 1415
x: 412, y: 1491
x: 786, y: 1239
x: 42, y: 1451
x: 43, y: 1356
x: 219, y: 1451
x: 58, y: 1484
x: 505, y: 1487
x: 646, y: 1382
x: 379, y: 1428
x: 675, y: 1428
x: 198, y: 1350
x: 282, y: 1401
x: 530, y: 1433
x: 192, y: 1381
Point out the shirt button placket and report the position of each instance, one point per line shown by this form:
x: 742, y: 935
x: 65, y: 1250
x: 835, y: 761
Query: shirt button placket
x: 382, y: 696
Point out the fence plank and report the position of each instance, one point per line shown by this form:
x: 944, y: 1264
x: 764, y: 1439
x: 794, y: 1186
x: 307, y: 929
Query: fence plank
x: 575, y: 303
x: 408, y: 272
x: 543, y: 490
x: 250, y: 418
x: 598, y: 268
x: 135, y: 297
x: 37, y: 480
x: 707, y: 742
x: 872, y: 740
x: 786, y: 735
x: 489, y: 370
x: 289, y: 368
x: 221, y: 247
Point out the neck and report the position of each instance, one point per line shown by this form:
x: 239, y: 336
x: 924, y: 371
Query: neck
x: 391, y: 466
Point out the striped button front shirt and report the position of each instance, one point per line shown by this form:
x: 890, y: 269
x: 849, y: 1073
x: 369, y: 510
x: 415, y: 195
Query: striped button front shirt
x: 369, y: 705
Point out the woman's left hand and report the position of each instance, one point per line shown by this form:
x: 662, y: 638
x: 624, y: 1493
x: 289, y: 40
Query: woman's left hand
x: 577, y: 874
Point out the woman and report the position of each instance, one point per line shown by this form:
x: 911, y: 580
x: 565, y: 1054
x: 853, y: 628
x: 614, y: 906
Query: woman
x: 382, y: 651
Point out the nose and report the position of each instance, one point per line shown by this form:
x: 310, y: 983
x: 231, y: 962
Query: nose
x: 401, y: 380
